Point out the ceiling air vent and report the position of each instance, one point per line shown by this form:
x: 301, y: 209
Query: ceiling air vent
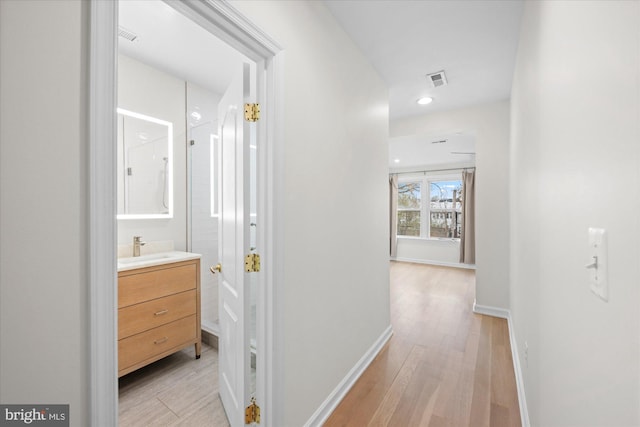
x: 437, y: 79
x: 124, y: 33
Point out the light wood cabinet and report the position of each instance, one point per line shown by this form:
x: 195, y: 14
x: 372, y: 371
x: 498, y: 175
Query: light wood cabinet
x: 158, y: 313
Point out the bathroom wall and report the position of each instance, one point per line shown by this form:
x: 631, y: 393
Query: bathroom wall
x: 146, y: 90
x: 575, y: 164
x: 194, y: 227
x: 490, y: 124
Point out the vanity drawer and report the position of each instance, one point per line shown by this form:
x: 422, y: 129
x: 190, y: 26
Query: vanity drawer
x: 145, y: 286
x: 147, y: 315
x: 156, y: 342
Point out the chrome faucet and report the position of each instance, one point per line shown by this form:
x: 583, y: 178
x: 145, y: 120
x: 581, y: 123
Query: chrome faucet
x: 137, y: 242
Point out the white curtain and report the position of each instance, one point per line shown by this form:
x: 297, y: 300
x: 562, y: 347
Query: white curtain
x: 393, y: 215
x: 468, y: 237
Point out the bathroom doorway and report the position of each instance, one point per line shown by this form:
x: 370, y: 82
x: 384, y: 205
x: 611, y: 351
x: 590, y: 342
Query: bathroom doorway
x: 173, y: 71
x: 203, y: 210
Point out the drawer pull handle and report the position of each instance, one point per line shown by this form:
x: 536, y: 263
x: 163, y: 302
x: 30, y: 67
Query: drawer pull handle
x: 161, y: 340
x: 161, y: 312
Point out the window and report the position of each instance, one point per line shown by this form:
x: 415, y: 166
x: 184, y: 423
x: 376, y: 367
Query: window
x: 409, y: 208
x: 445, y: 209
x: 436, y: 214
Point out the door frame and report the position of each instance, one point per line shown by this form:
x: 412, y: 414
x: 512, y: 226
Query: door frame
x: 225, y: 22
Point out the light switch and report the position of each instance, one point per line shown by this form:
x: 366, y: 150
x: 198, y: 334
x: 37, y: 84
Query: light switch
x: 598, y: 263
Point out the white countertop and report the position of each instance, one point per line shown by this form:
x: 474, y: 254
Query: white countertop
x: 159, y: 258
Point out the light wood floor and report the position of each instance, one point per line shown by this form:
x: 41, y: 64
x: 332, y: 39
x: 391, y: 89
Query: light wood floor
x: 175, y: 391
x: 444, y: 365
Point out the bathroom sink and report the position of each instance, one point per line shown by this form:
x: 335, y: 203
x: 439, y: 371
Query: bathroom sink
x: 159, y: 258
x: 144, y: 258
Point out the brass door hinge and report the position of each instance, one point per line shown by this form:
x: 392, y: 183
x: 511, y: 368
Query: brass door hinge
x: 252, y: 413
x: 252, y: 263
x: 252, y: 112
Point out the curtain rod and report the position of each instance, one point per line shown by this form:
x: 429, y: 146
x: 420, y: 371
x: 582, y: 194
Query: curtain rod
x: 431, y: 170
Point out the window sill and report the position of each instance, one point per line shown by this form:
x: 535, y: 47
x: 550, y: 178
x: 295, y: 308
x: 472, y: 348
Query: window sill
x: 429, y: 239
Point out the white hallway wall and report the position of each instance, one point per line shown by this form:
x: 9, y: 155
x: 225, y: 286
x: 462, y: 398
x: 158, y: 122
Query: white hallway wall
x: 335, y: 201
x: 44, y: 351
x: 575, y: 159
x: 491, y: 125
x: 332, y: 302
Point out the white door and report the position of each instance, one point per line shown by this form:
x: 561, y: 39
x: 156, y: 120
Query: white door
x: 233, y: 241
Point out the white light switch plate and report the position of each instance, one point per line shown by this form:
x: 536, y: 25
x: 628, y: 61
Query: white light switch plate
x: 598, y: 276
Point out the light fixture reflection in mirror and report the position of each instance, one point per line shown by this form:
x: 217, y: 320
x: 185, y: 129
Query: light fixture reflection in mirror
x: 145, y: 166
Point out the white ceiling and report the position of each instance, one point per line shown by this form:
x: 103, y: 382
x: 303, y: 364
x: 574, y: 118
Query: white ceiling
x: 429, y: 151
x: 169, y: 41
x: 473, y: 41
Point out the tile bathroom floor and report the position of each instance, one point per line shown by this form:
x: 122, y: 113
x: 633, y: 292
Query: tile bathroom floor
x: 175, y: 391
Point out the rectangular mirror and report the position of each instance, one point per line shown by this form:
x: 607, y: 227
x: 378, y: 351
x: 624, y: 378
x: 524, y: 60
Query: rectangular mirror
x: 145, y: 166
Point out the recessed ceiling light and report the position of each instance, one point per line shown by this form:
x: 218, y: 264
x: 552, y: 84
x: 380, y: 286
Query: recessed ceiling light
x: 396, y: 160
x: 196, y: 116
x: 424, y: 101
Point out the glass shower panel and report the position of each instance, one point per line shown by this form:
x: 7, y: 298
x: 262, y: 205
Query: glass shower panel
x: 253, y: 241
x: 202, y: 128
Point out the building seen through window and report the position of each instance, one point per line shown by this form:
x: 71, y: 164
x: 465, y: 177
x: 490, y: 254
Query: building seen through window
x: 436, y: 214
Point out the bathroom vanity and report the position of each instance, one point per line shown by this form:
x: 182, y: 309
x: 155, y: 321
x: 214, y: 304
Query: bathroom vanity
x: 158, y: 308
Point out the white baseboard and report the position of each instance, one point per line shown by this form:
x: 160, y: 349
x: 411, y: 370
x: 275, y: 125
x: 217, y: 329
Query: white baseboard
x: 502, y: 313
x: 506, y: 314
x: 331, y: 402
x: 212, y: 327
x: 439, y: 263
x: 524, y: 411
